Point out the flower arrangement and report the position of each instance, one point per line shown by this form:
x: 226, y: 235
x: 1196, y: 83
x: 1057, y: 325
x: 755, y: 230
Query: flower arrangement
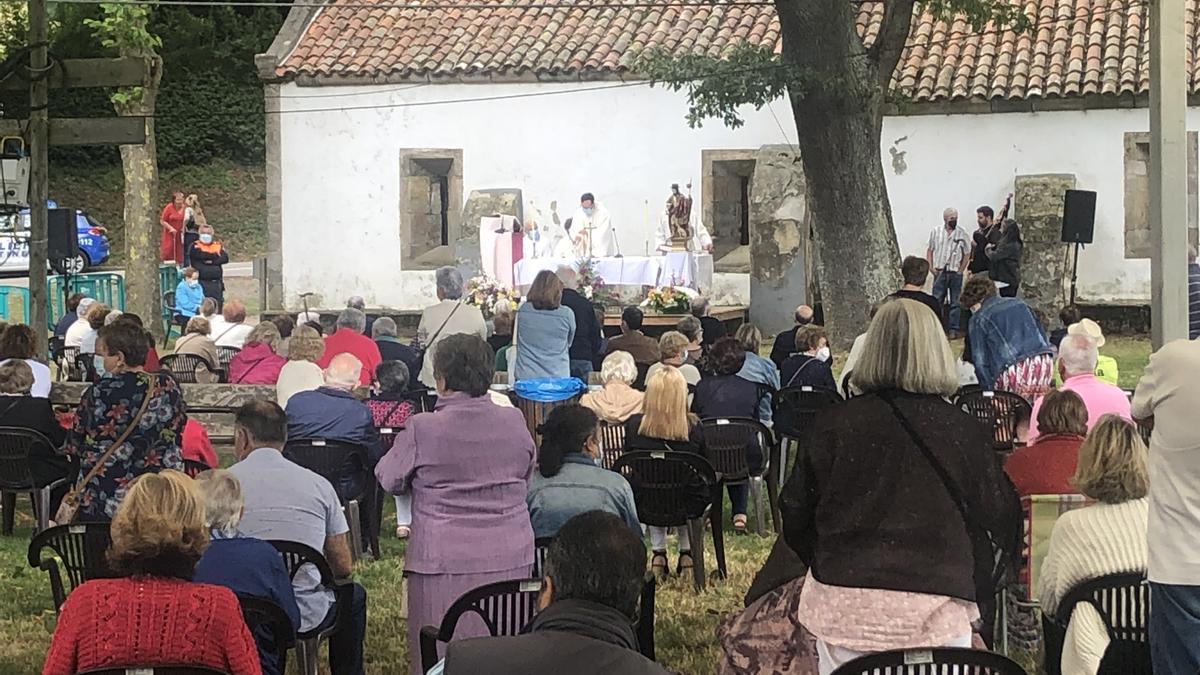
x: 592, y: 286
x: 488, y: 294
x: 668, y: 300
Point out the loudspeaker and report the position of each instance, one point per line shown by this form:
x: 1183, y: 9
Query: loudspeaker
x: 1079, y: 216
x: 63, y: 241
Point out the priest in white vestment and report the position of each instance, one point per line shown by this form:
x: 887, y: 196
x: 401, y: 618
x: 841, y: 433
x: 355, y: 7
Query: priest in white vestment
x: 592, y: 230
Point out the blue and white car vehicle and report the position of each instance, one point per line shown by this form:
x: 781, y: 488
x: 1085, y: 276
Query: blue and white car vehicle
x: 14, y: 243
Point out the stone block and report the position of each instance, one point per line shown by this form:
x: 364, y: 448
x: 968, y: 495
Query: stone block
x: 479, y: 204
x: 1139, y: 240
x: 1045, y: 260
x: 779, y: 232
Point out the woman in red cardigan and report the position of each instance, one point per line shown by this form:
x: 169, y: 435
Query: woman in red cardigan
x: 154, y: 615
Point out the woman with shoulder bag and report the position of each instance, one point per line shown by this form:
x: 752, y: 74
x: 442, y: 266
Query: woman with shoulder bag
x: 898, y: 502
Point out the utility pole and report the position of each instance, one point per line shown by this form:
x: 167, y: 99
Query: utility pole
x: 1168, y: 172
x: 39, y: 170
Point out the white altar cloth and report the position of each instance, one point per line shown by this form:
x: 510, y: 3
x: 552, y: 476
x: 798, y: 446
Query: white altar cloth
x: 626, y: 271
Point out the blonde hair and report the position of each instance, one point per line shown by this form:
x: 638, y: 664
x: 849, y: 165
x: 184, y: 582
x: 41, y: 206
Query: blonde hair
x: 305, y: 344
x: 16, y: 377
x: 749, y: 337
x: 222, y: 494
x: 906, y: 349
x: 618, y: 366
x: 266, y: 333
x: 1112, y: 462
x: 665, y: 408
x: 159, y: 528
x: 672, y: 344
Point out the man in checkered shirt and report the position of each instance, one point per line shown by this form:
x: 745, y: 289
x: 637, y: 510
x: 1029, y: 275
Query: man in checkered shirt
x: 949, y: 253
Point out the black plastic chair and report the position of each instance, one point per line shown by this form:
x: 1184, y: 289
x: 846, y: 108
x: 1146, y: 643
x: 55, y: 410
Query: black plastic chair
x: 155, y: 670
x: 792, y: 412
x: 194, y: 467
x: 677, y: 489
x: 643, y: 371
x: 504, y: 607
x: 296, y: 556
x: 541, y: 546
x: 270, y: 626
x: 224, y: 356
x: 168, y: 315
x: 1123, y: 603
x: 66, y: 362
x: 935, y: 661
x: 79, y: 550
x: 185, y: 368
x: 847, y: 393
x: 82, y: 368
x: 727, y: 442
x: 16, y: 475
x: 1000, y: 412
x: 612, y: 443
x: 341, y: 463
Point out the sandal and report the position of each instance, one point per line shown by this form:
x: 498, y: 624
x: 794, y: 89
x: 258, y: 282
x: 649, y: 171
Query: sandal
x: 402, y: 531
x: 685, y: 563
x: 739, y: 523
x: 658, y: 564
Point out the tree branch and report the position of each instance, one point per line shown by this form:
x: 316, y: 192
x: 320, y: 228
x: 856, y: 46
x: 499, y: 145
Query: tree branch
x: 893, y: 33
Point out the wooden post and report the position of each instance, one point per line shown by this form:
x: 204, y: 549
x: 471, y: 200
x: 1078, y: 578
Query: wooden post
x: 39, y: 176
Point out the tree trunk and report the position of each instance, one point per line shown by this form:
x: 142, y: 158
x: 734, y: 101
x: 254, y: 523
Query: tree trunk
x: 140, y: 164
x: 839, y: 119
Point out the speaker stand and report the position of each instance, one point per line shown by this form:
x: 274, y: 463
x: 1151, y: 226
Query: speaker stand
x: 1075, y: 270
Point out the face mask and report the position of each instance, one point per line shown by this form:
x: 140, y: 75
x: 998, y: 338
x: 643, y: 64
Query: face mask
x: 599, y: 461
x: 589, y: 210
x: 98, y: 364
x: 206, y: 238
x: 950, y: 224
x: 193, y: 282
x: 823, y: 354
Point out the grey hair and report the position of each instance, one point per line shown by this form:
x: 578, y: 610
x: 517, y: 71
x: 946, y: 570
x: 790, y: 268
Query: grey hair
x: 567, y: 274
x: 357, y: 302
x: 449, y: 282
x: 392, y: 376
x: 266, y: 333
x: 384, y: 326
x: 112, y: 317
x: 700, y: 307
x: 222, y: 495
x: 1078, y: 354
x: 343, y: 372
x: 351, y: 318
x: 618, y: 365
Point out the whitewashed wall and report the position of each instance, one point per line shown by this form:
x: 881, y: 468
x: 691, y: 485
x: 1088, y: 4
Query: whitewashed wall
x: 341, y: 184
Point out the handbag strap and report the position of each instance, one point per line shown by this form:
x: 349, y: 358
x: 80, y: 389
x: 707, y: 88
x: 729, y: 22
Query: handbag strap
x: 800, y: 370
x: 133, y: 424
x: 449, y: 316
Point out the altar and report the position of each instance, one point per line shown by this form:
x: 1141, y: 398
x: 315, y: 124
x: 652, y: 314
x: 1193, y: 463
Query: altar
x: 678, y: 268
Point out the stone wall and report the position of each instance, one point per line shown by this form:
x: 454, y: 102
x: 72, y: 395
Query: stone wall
x: 480, y: 204
x: 1139, y: 241
x: 779, y: 232
x: 1045, y: 261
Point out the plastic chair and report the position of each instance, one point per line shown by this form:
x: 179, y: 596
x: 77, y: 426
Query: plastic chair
x: 677, y: 489
x: 16, y: 475
x: 185, y: 368
x: 269, y: 625
x: 224, y: 356
x: 341, y: 463
x: 998, y: 411
x: 295, y: 556
x: 1123, y: 603
x: 541, y: 546
x: 82, y: 368
x: 66, y: 362
x: 932, y: 662
x: 168, y: 316
x: 727, y: 441
x: 155, y: 670
x: 535, y: 412
x: 612, y: 443
x: 194, y: 467
x: 504, y: 607
x: 792, y: 412
x: 643, y: 370
x: 847, y: 393
x: 79, y: 550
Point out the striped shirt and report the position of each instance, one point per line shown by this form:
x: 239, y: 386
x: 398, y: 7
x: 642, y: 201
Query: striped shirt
x: 1193, y: 301
x: 949, y: 247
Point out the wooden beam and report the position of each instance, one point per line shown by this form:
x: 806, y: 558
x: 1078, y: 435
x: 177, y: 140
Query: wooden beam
x: 86, y: 131
x: 79, y: 73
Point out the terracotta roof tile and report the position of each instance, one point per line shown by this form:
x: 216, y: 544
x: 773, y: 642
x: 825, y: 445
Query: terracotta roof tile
x: 1076, y: 47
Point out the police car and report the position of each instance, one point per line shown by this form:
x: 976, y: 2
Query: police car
x: 14, y: 243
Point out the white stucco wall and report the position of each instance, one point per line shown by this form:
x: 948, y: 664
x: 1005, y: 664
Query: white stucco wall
x: 341, y: 185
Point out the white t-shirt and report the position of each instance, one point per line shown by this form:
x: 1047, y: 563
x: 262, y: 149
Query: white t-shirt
x: 76, y: 332
x: 41, y: 378
x: 295, y: 377
x: 225, y: 334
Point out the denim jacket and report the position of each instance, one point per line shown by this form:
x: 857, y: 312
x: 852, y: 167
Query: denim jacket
x: 578, y: 486
x: 1004, y: 332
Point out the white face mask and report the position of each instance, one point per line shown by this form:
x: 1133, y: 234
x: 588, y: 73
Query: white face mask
x: 98, y: 364
x: 823, y: 354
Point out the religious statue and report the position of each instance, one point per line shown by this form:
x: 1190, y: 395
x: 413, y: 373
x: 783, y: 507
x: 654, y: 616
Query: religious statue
x: 679, y: 217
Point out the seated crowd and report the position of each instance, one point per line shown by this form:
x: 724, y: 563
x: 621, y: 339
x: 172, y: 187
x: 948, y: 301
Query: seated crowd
x: 850, y: 575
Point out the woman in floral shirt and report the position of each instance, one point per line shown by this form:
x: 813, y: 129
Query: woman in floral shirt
x: 109, y: 407
x: 391, y: 410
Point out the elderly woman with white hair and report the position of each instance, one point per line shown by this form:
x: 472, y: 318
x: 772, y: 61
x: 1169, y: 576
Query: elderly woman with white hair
x: 348, y: 338
x: 881, y: 577
x: 301, y: 372
x: 195, y: 341
x: 617, y: 400
x: 258, y: 362
x: 245, y: 565
x: 450, y: 316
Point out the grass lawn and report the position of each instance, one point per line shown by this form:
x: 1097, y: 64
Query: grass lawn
x: 684, y: 625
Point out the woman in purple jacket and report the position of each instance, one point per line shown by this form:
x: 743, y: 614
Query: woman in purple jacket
x: 466, y: 466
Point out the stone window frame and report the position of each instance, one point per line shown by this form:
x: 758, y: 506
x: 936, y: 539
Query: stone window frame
x: 413, y: 256
x: 1135, y: 192
x: 707, y: 193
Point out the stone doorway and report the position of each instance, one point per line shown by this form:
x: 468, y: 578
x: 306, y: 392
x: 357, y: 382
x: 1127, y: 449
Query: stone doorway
x: 727, y: 183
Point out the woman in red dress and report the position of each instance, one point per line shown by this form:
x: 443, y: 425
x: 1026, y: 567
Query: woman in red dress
x: 171, y: 220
